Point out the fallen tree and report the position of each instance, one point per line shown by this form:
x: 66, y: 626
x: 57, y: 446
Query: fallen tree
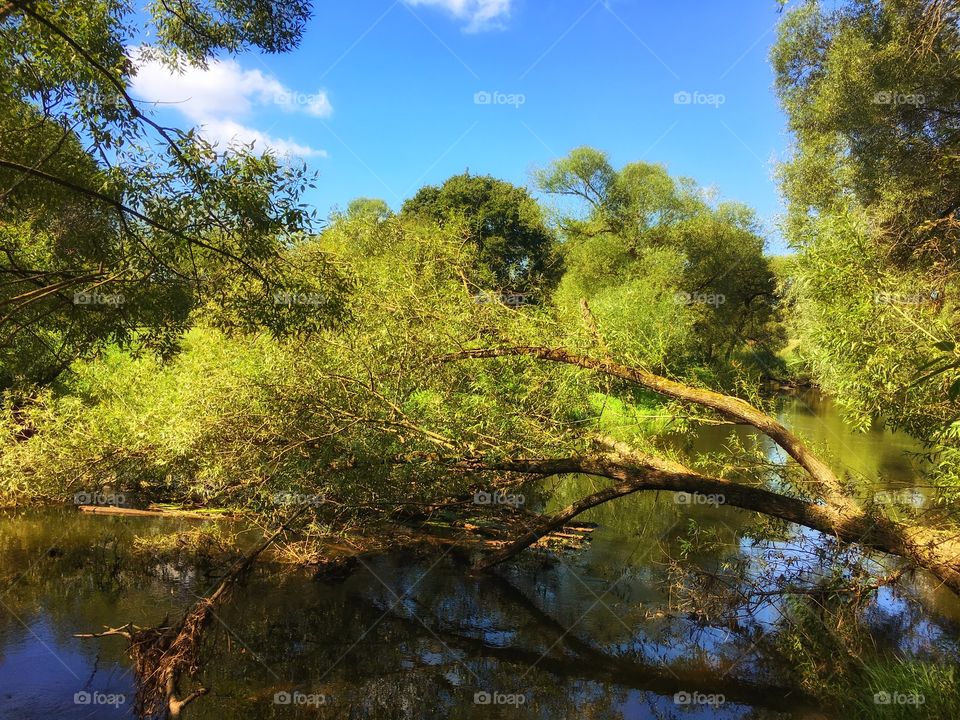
x: 830, y: 509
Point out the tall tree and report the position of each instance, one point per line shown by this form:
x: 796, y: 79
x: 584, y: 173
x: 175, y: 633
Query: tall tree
x: 673, y: 277
x: 503, y: 221
x: 872, y: 93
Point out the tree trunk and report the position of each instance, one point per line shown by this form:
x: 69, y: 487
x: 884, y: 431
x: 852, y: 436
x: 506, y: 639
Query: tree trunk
x: 839, y: 515
x: 730, y: 407
x: 933, y: 550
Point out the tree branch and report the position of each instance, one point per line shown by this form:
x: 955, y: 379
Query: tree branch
x: 927, y: 548
x: 125, y: 209
x: 730, y: 407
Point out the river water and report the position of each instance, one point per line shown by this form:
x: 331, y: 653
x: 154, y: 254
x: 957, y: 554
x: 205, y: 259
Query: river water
x: 586, y: 634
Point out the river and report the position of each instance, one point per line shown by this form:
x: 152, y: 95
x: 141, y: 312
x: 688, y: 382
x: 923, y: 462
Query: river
x: 582, y: 634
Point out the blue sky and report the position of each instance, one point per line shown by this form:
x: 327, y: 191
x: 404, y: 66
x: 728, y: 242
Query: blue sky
x: 382, y: 95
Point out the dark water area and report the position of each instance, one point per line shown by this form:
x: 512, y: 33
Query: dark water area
x: 413, y: 635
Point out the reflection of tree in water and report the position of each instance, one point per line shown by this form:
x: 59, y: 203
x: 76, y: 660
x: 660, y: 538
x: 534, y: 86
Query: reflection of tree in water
x: 589, y: 634
x: 63, y: 565
x: 426, y: 645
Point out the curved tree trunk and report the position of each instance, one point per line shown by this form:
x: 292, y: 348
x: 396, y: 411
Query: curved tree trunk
x: 838, y: 514
x: 927, y: 548
x: 730, y: 407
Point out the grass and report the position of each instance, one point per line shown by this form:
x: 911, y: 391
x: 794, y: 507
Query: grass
x: 907, y: 690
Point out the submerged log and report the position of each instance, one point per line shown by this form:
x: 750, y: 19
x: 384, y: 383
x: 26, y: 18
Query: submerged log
x: 150, y: 511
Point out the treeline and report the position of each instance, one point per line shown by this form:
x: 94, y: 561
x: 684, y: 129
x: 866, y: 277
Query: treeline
x: 176, y: 319
x: 642, y: 267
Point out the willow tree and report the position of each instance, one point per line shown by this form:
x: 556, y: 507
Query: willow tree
x: 100, y: 202
x: 423, y: 398
x: 655, y: 255
x: 872, y: 95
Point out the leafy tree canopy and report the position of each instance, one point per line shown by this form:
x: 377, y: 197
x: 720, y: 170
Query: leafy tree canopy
x: 503, y: 221
x: 872, y: 94
x: 100, y: 201
x: 678, y: 278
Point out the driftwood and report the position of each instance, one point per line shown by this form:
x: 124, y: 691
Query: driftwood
x: 148, y: 512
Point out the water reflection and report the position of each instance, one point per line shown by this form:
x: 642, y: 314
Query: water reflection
x: 417, y: 636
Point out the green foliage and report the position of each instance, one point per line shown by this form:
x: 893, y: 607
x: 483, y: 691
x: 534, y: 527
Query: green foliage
x: 872, y: 94
x: 372, y: 208
x: 100, y: 200
x: 359, y: 412
x: 139, y: 425
x: 197, y: 31
x: 833, y: 658
x: 502, y: 221
x: 904, y: 683
x: 872, y: 90
x: 633, y: 301
x: 673, y: 280
x: 866, y: 328
x: 57, y: 244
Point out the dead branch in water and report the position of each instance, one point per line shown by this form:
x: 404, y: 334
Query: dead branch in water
x: 162, y: 654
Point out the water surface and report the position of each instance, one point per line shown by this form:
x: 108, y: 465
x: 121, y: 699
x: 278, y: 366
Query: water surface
x: 571, y: 635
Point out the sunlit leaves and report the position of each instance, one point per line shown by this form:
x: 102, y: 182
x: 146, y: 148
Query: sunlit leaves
x: 672, y: 279
x: 872, y: 93
x: 105, y: 199
x: 504, y: 223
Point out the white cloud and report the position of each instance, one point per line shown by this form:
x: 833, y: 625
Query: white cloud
x: 478, y: 14
x: 224, y: 132
x: 219, y: 97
